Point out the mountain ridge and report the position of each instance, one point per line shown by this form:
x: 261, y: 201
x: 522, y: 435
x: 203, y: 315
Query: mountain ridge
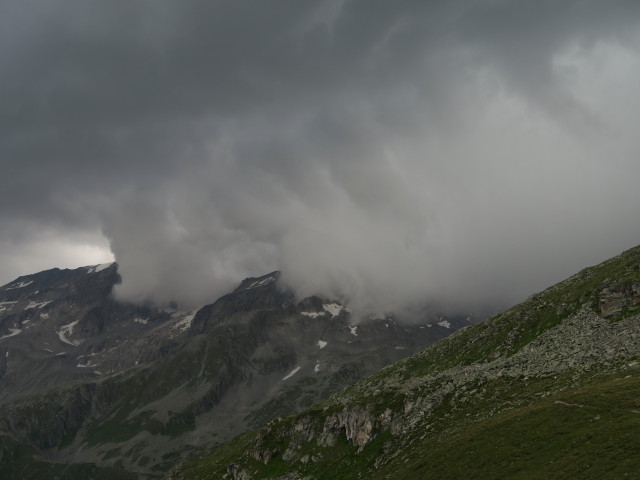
x: 130, y: 390
x: 545, y: 389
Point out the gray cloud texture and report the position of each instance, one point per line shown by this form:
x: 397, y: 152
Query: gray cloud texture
x: 465, y: 152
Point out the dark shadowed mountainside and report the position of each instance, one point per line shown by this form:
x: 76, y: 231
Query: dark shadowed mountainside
x: 96, y: 388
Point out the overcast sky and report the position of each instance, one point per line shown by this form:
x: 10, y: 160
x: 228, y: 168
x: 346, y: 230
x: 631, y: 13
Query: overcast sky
x: 390, y: 152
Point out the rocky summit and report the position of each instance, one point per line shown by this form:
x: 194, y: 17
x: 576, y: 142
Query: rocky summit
x: 91, y: 387
x: 548, y: 389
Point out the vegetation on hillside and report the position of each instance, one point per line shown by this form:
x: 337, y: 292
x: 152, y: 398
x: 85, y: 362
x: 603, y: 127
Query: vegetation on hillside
x: 547, y: 389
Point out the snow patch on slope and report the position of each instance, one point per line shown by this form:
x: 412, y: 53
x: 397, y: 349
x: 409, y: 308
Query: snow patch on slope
x: 313, y: 314
x: 185, y: 322
x: 37, y: 304
x: 67, y: 330
x: 19, y: 285
x: 102, y: 266
x: 264, y: 281
x: 292, y: 373
x: 85, y: 365
x: 321, y: 344
x: 14, y: 332
x: 334, y: 309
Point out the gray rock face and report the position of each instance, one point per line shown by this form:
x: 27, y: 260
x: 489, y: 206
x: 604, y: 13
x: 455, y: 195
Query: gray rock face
x: 236, y: 472
x: 356, y: 424
x: 614, y: 298
x: 63, y: 325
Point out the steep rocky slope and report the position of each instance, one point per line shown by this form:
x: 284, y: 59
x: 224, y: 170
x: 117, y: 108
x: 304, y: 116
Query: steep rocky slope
x: 548, y: 389
x: 62, y: 325
x: 94, y: 388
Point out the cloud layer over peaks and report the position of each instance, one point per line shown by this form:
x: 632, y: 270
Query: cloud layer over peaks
x: 462, y: 153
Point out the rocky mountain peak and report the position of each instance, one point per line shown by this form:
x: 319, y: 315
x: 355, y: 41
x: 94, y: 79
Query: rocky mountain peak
x: 257, y: 282
x: 138, y: 388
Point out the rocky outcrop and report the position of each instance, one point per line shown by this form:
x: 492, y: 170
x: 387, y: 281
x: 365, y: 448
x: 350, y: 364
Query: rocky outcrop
x: 253, y: 294
x: 236, y: 472
x: 356, y: 424
x: 615, y: 298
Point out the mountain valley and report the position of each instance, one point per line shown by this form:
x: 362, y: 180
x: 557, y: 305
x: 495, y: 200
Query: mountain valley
x: 97, y: 388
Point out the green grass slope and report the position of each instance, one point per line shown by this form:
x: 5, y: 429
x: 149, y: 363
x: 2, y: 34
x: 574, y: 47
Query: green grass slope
x: 548, y: 389
x: 589, y: 432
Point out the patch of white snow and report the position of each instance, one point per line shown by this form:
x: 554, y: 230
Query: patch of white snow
x: 264, y: 281
x: 101, y: 267
x: 142, y: 321
x: 354, y: 330
x: 313, y: 314
x: 321, y: 344
x: 185, y: 322
x: 86, y: 365
x: 37, y: 304
x: 19, y: 285
x: 14, y: 332
x: 6, y: 306
x: 445, y: 324
x: 292, y: 373
x: 67, y: 330
x: 333, y: 308
x: 317, y: 367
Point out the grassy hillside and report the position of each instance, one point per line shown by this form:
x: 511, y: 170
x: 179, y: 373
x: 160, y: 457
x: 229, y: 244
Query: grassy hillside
x: 588, y: 432
x: 548, y: 389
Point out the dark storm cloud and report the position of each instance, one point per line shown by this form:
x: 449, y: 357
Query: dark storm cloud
x: 388, y: 152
